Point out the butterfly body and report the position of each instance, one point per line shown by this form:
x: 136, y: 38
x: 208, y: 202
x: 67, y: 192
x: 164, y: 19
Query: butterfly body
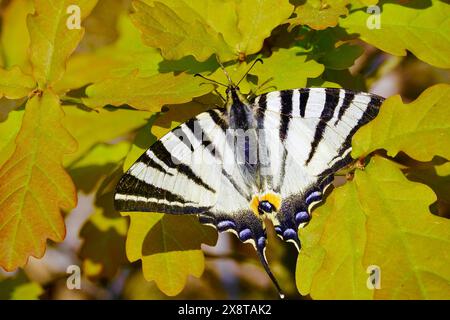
x: 272, y: 157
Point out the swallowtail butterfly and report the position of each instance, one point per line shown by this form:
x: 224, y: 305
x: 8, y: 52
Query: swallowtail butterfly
x: 269, y: 157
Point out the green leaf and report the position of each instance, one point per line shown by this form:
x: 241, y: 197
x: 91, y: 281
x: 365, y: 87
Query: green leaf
x: 8, y: 133
x: 145, y: 93
x: 14, y: 84
x: 169, y: 247
x: 289, y: 68
x: 230, y: 29
x: 126, y: 54
x: 380, y: 218
x: 420, y: 128
x: 14, y: 27
x: 284, y: 69
x: 319, y: 14
x: 96, y: 164
x: 90, y: 128
x: 423, y: 31
x: 52, y: 42
x: 34, y: 187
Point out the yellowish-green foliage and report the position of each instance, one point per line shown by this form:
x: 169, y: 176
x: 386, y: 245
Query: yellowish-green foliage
x: 380, y: 218
x: 421, y: 128
x: 319, y: 14
x: 199, y: 28
x: 424, y: 32
x: 79, y: 106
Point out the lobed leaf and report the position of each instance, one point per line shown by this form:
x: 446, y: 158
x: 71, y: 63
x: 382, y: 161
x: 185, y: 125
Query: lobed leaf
x: 422, y: 30
x: 382, y: 219
x: 14, y: 84
x: 14, y: 27
x: 8, y: 133
x: 91, y: 128
x: 230, y: 29
x: 169, y: 247
x: 145, y: 93
x: 125, y: 55
x: 34, y: 186
x: 319, y: 14
x: 420, y: 128
x: 52, y: 42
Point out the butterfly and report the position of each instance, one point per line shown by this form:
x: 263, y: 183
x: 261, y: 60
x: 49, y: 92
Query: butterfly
x: 270, y: 157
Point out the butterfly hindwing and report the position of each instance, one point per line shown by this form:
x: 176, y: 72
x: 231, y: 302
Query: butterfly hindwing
x: 307, y: 136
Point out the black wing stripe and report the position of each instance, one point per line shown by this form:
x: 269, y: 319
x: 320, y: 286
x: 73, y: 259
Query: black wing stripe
x: 369, y: 114
x: 348, y: 98
x: 286, y: 112
x: 162, y: 154
x: 145, y: 158
x: 130, y: 185
x: 331, y: 102
x: 303, y: 96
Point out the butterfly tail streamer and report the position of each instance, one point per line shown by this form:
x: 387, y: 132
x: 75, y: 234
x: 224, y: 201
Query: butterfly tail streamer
x: 262, y: 258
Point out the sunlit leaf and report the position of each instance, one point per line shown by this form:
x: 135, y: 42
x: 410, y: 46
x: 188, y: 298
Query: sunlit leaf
x: 282, y: 75
x: 8, y: 133
x: 126, y: 54
x: 169, y: 247
x: 319, y: 14
x: 52, y: 42
x: 34, y: 187
x: 230, y: 29
x: 14, y: 27
x: 90, y: 128
x: 14, y: 84
x: 382, y: 219
x: 96, y: 164
x: 145, y: 93
x: 420, y: 128
x: 423, y: 30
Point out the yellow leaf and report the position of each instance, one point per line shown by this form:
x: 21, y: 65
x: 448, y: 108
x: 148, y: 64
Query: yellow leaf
x: 8, y: 133
x: 230, y: 29
x: 169, y: 247
x: 90, y: 128
x: 145, y: 93
x: 14, y: 84
x: 128, y: 53
x: 421, y: 128
x: 34, y: 186
x: 14, y: 27
x: 379, y: 219
x: 422, y: 31
x: 319, y: 14
x: 96, y: 164
x: 52, y: 42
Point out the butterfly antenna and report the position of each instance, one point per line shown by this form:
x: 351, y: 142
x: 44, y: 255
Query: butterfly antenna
x: 214, y: 81
x: 253, y: 64
x: 262, y: 258
x: 224, y: 71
